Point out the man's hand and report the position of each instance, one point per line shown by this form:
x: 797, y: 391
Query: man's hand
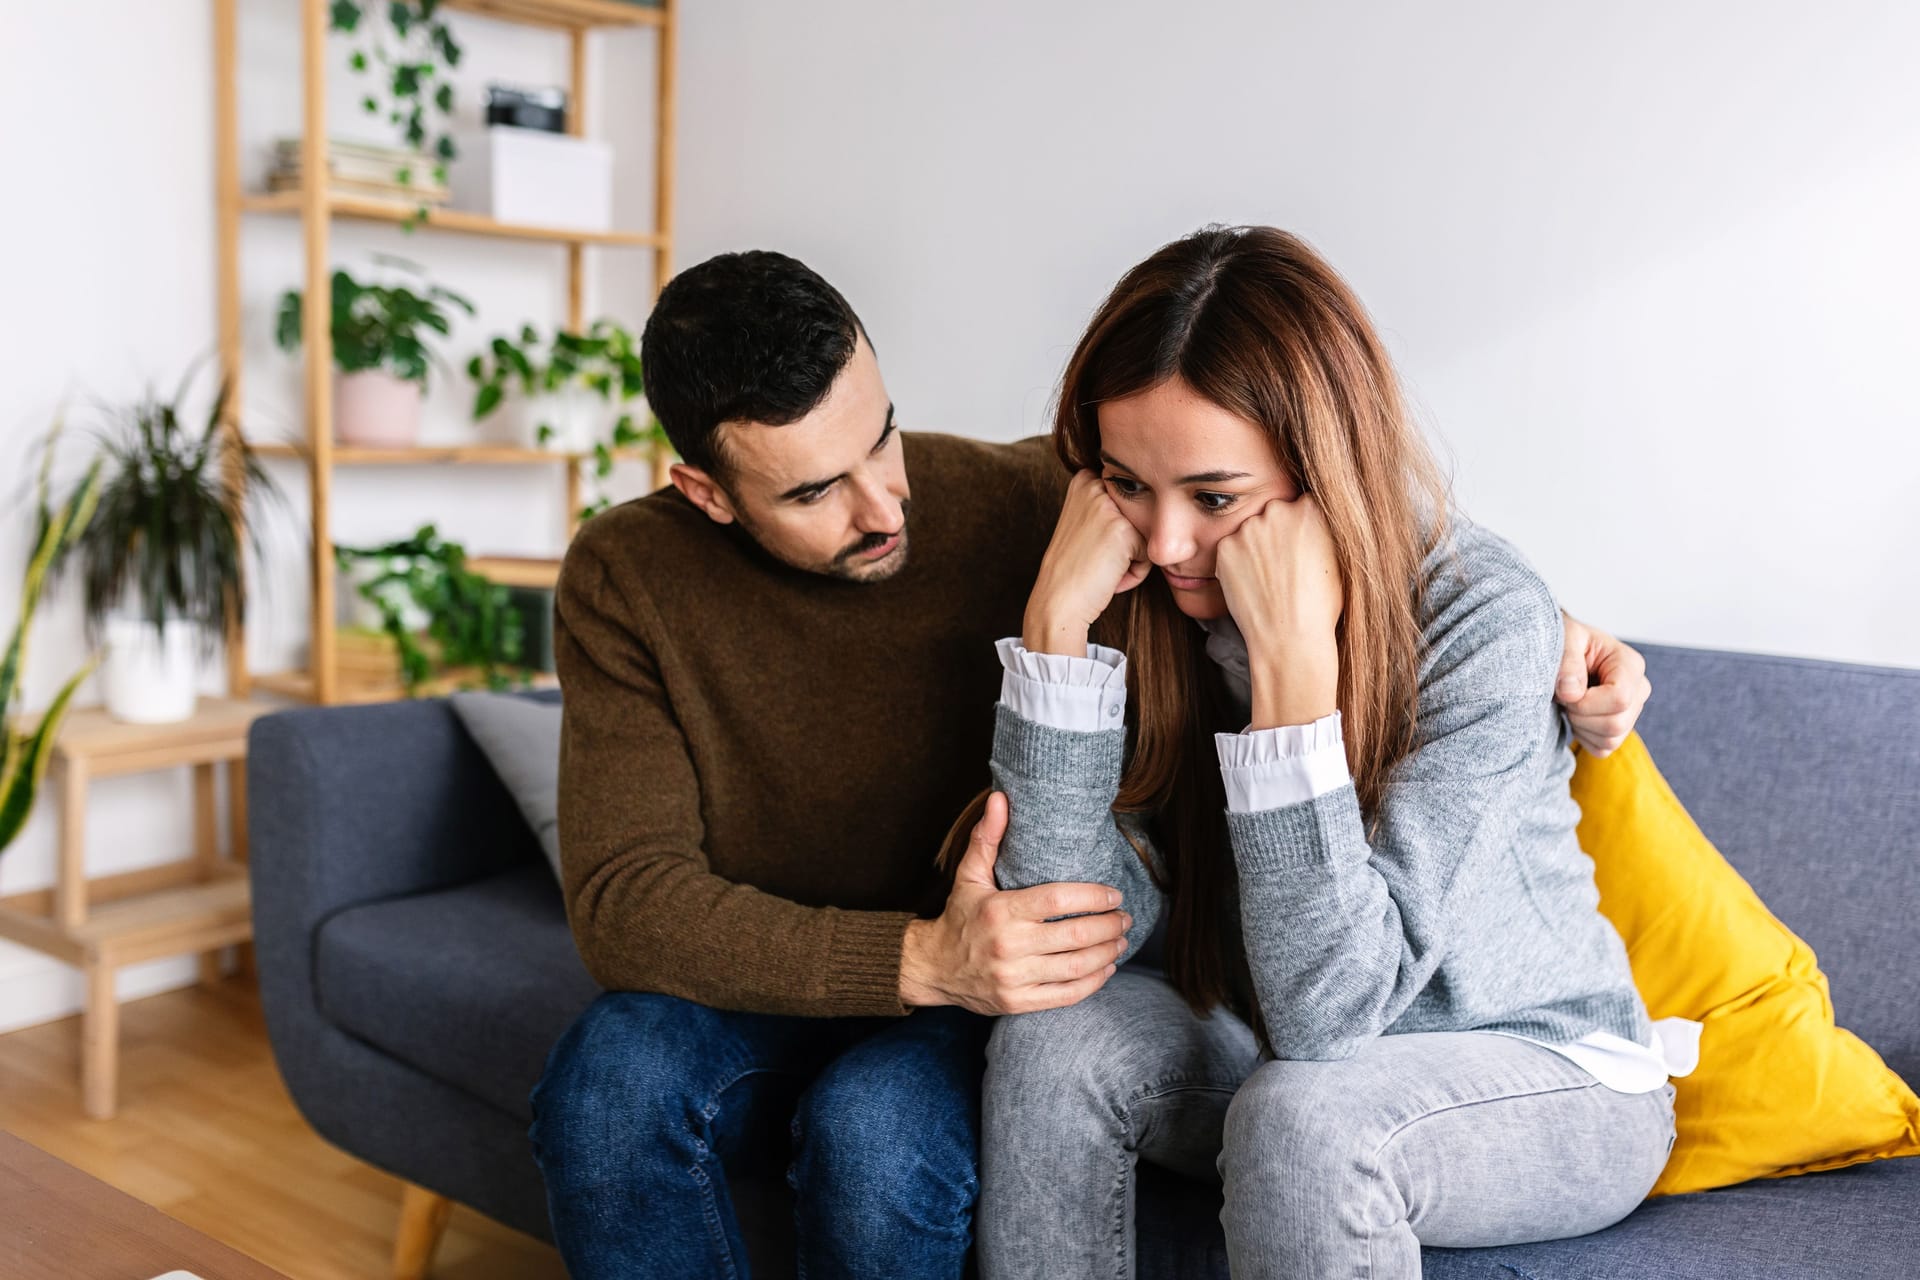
x: 1603, y: 685
x: 999, y: 950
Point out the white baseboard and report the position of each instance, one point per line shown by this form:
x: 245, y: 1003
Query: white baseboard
x: 36, y: 988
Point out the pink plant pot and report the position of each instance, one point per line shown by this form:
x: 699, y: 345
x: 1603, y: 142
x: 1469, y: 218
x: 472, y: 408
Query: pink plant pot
x: 373, y: 408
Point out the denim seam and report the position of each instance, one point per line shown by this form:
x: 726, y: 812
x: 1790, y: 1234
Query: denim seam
x: 1126, y: 1159
x: 735, y: 1072
x: 1177, y: 1083
x: 716, y: 1229
x: 1122, y: 1193
x: 1507, y: 1096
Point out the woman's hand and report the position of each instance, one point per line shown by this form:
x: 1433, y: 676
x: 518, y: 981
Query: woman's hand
x: 1282, y: 584
x: 1095, y: 555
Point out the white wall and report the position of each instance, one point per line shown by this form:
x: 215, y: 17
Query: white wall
x: 1648, y: 268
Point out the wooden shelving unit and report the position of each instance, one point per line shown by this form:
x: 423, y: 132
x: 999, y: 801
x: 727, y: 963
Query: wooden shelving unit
x: 317, y: 208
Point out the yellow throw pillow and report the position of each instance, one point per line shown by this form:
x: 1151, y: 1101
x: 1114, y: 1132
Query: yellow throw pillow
x: 1779, y: 1090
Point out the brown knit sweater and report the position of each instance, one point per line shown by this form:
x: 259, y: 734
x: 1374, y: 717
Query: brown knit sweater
x: 757, y: 764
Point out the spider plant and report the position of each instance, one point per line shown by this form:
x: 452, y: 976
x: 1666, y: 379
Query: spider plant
x: 169, y: 536
x: 24, y: 756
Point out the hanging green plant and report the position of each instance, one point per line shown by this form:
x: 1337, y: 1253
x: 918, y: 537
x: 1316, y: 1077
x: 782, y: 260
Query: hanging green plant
x: 601, y: 364
x: 406, y: 52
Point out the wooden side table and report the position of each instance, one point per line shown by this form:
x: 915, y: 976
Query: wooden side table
x: 196, y: 905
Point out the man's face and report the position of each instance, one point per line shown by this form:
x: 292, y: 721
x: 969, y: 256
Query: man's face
x: 828, y: 493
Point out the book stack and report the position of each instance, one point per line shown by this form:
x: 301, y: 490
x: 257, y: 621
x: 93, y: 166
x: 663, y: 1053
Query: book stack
x: 362, y: 169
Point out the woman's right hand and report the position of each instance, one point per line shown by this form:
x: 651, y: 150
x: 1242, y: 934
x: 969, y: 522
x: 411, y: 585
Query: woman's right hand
x: 1095, y: 554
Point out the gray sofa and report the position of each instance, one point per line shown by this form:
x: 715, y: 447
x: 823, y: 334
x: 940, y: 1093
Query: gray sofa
x: 415, y: 963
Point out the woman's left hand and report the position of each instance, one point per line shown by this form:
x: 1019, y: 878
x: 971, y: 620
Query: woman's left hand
x: 1282, y: 585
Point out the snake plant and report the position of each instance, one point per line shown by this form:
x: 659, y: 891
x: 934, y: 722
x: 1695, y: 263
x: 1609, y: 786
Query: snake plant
x: 24, y: 755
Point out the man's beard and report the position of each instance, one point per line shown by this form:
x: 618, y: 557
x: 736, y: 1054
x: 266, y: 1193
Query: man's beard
x: 846, y: 564
x: 849, y: 566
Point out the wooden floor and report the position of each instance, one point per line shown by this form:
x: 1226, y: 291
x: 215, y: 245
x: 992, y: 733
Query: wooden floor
x: 207, y: 1133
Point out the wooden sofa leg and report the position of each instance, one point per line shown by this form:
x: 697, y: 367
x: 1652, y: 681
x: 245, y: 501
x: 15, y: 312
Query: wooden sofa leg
x: 423, y: 1218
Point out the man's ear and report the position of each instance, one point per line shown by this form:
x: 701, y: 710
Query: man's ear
x: 703, y: 491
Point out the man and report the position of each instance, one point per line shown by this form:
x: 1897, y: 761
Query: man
x: 779, y: 676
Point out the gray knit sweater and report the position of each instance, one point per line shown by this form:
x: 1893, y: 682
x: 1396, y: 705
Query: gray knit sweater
x: 1474, y: 907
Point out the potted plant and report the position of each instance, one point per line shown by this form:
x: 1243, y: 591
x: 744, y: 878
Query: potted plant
x: 162, y: 560
x: 440, y: 616
x: 24, y: 755
x: 577, y: 392
x: 380, y: 352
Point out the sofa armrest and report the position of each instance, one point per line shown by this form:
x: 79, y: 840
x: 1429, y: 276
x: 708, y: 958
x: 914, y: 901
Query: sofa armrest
x: 354, y: 804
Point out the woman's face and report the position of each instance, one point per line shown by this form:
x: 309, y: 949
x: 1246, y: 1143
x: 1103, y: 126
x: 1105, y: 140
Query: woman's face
x: 1186, y: 472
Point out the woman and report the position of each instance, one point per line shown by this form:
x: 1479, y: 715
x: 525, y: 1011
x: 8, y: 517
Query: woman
x: 1322, y: 746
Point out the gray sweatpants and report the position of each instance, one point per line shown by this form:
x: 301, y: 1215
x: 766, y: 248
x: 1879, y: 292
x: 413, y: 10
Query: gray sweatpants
x: 1330, y: 1169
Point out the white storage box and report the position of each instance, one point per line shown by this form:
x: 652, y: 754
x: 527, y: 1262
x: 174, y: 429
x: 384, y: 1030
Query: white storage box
x: 534, y: 178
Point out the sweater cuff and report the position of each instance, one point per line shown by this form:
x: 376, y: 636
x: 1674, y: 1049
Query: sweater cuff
x: 1312, y: 835
x: 1084, y: 761
x: 863, y: 963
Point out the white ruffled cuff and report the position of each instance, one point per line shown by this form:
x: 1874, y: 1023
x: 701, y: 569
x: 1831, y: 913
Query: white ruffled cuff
x: 1282, y: 766
x: 1081, y: 695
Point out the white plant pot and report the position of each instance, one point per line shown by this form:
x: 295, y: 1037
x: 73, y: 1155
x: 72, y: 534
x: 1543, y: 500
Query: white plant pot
x: 150, y: 677
x: 358, y: 611
x: 374, y: 409
x: 580, y: 419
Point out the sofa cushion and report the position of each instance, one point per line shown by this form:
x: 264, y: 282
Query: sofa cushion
x: 1859, y: 1223
x: 1801, y: 773
x: 521, y: 738
x: 471, y: 985
x: 1779, y: 1089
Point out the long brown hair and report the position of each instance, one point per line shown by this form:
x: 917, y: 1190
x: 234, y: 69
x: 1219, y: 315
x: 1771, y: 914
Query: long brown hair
x: 1256, y: 322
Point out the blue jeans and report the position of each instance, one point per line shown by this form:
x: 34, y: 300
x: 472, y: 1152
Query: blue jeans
x: 649, y: 1102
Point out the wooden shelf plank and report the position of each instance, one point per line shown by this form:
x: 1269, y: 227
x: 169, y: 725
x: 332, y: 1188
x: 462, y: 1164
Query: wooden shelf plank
x: 111, y: 747
x: 477, y: 454
x: 155, y: 916
x: 299, y: 684
x: 372, y: 209
x: 571, y: 14
x: 482, y: 454
x: 40, y: 932
x: 518, y: 571
x: 290, y: 684
x: 122, y: 884
x: 92, y: 733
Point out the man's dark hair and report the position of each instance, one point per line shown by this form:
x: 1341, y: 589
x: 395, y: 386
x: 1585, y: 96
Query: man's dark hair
x: 744, y: 337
